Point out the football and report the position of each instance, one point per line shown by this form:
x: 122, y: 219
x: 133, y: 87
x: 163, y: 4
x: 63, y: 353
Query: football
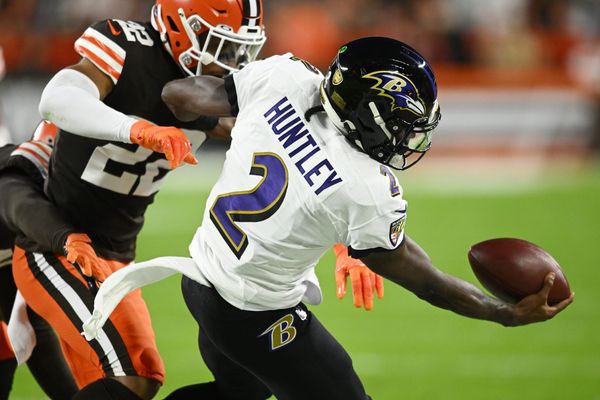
x: 512, y: 269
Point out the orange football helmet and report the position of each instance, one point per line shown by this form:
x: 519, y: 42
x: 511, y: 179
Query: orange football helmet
x: 46, y: 132
x: 228, y: 33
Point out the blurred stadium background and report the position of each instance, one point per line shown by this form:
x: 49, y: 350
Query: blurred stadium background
x: 516, y: 154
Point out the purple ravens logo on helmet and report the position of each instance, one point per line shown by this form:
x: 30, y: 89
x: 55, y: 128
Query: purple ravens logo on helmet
x: 399, y: 89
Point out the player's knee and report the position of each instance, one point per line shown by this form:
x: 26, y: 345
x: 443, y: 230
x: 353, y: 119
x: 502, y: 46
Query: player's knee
x: 150, y: 388
x: 119, y: 388
x: 144, y: 388
x: 107, y: 389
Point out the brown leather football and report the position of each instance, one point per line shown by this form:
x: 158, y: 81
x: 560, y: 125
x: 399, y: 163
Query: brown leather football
x: 512, y: 269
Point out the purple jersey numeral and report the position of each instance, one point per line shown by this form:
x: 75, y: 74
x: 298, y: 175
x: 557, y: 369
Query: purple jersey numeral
x: 256, y: 204
x: 394, y: 188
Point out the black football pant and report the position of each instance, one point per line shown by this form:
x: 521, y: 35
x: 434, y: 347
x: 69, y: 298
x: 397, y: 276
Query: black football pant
x: 284, y: 352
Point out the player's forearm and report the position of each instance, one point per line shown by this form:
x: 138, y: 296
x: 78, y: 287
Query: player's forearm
x: 24, y: 209
x: 465, y: 299
x: 71, y: 101
x: 411, y: 268
x: 193, y: 97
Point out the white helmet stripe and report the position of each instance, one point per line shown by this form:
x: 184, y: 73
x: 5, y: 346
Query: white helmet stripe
x: 158, y: 24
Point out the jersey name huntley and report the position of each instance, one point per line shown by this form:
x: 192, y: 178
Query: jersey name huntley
x: 301, y: 146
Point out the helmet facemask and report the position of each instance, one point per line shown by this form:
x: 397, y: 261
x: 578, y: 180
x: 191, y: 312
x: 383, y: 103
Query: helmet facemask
x: 385, y: 135
x: 218, y: 45
x: 382, y: 95
x: 205, y: 43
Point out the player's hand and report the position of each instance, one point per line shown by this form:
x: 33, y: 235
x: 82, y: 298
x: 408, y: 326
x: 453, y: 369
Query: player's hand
x: 535, y: 308
x: 168, y: 140
x: 79, y: 251
x: 364, y: 281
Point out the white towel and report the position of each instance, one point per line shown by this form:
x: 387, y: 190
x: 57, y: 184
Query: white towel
x: 131, y: 277
x: 20, y: 332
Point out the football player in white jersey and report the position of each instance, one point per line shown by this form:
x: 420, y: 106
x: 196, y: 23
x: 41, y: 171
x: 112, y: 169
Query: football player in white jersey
x: 309, y: 166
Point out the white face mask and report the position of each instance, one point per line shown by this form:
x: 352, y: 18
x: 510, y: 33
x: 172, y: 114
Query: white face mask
x: 219, y: 45
x: 404, y: 161
x: 419, y: 141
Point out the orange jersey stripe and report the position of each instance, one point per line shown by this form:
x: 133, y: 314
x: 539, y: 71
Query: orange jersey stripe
x: 43, y: 148
x: 100, y: 63
x: 110, y: 52
x: 42, y: 161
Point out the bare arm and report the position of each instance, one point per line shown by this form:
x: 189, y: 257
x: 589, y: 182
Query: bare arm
x: 195, y: 96
x: 410, y: 267
x: 100, y: 79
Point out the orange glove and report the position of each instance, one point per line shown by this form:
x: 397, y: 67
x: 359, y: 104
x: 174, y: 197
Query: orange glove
x: 80, y: 252
x: 168, y: 140
x: 363, y: 280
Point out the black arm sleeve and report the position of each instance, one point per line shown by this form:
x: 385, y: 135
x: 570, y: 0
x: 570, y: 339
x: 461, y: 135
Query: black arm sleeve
x: 26, y: 211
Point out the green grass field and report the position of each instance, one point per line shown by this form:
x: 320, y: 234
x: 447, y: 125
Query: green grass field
x: 406, y: 348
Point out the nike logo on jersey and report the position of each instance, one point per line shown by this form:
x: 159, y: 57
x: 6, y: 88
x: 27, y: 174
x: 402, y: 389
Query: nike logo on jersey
x: 114, y: 31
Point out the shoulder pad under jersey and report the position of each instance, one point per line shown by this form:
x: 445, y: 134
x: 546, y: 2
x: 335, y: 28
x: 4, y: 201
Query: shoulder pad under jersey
x: 30, y: 157
x: 106, y: 44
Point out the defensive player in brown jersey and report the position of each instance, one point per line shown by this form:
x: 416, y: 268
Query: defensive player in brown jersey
x: 117, y: 142
x: 24, y: 210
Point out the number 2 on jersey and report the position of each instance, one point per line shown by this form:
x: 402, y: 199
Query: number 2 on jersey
x: 394, y: 188
x: 256, y: 204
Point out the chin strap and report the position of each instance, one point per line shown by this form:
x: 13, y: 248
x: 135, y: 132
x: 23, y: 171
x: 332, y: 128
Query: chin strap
x: 380, y: 122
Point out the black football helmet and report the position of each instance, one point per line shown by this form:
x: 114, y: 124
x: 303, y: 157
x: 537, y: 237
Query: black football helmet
x: 381, y: 94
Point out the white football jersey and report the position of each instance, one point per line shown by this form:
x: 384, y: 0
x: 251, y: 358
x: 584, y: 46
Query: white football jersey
x: 289, y: 189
